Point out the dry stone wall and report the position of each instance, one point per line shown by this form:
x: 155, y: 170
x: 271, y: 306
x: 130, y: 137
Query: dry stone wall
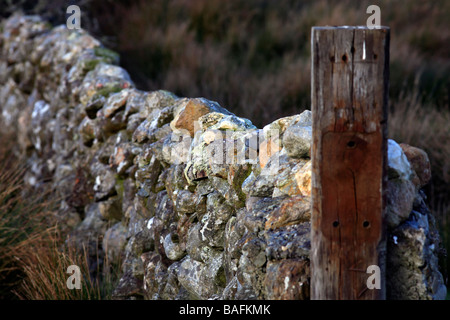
x: 198, y: 202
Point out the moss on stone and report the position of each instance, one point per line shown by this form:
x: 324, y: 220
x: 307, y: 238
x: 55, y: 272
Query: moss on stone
x: 220, y: 279
x: 119, y: 186
x: 106, y: 91
x: 103, y: 52
x: 90, y: 64
x: 48, y: 25
x: 239, y: 180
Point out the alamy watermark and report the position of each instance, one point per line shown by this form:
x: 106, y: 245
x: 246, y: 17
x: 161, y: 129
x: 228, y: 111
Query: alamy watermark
x: 227, y: 147
x: 374, y: 280
x: 74, y: 20
x: 74, y: 281
x: 374, y: 21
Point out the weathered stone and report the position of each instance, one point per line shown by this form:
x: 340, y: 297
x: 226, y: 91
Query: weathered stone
x: 164, y: 208
x: 291, y: 211
x: 237, y: 174
x: 186, y: 202
x: 155, y: 275
x: 232, y: 195
x: 149, y: 128
x: 233, y: 235
x: 172, y: 149
x: 420, y: 164
x: 129, y: 287
x: 114, y: 241
x: 254, y: 218
x: 297, y: 141
x: 303, y: 179
x: 105, y: 182
x: 111, y: 209
x: 194, y: 244
x: 103, y: 149
x: 399, y: 201
x: 122, y: 158
x: 104, y: 80
x: 147, y: 176
x: 133, y: 265
x: 108, y: 126
x: 267, y: 149
x: 202, y: 280
x: 254, y: 252
x: 172, y: 247
x: 232, y: 123
x: 208, y: 120
x: 159, y: 99
x: 87, y: 131
x: 184, y: 223
x: 289, y: 242
x: 87, y: 236
x: 249, y: 273
x: 248, y: 183
x: 78, y: 187
x: 291, y: 181
x: 95, y: 104
x: 190, y: 110
x: 88, y: 60
x: 398, y: 164
x: 214, y: 220
x: 173, y: 289
x: 115, y: 102
x: 230, y: 291
x: 68, y: 218
x: 40, y: 118
x: 159, y: 273
x: 141, y: 242
x: 133, y: 122
x: 277, y: 170
x: 135, y: 100
x: 136, y: 221
x: 412, y: 267
x: 93, y: 220
x: 288, y: 280
x: 174, y: 181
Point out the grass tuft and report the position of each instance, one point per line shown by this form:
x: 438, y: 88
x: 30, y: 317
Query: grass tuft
x: 34, y: 256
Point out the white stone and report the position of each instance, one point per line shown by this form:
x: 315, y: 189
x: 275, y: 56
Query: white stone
x: 398, y: 164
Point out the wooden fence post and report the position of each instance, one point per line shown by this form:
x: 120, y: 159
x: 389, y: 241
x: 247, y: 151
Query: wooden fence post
x: 350, y: 80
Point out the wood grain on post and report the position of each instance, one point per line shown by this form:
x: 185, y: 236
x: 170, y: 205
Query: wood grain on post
x: 350, y: 79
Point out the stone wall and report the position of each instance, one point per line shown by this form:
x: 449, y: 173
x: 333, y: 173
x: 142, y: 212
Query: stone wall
x: 172, y: 184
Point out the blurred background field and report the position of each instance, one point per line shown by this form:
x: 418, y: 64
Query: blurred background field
x: 253, y: 57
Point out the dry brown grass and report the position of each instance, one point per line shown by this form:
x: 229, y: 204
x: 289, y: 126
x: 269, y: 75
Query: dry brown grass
x: 19, y: 220
x: 44, y: 263
x: 423, y: 126
x: 33, y: 254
